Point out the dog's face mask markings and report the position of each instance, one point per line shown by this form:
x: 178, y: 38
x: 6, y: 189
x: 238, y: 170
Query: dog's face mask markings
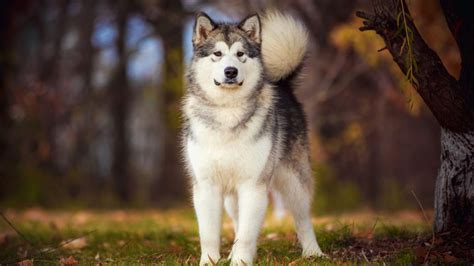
x: 228, y: 68
x: 227, y: 59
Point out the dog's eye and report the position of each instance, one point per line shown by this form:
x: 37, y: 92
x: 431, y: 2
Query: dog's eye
x: 240, y: 54
x: 218, y: 54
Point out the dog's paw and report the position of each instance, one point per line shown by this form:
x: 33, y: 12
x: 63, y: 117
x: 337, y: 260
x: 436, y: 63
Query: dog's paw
x: 241, y: 261
x: 240, y: 258
x: 241, y: 255
x: 313, y: 253
x: 207, y: 260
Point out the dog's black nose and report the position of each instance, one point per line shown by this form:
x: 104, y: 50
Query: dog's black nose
x: 230, y: 72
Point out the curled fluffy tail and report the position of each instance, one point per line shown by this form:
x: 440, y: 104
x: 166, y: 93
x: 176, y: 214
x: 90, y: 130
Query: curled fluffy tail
x: 284, y: 44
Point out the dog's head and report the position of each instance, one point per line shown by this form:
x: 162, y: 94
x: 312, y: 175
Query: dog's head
x: 226, y: 63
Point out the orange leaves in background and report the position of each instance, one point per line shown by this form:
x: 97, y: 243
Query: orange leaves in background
x: 369, y: 47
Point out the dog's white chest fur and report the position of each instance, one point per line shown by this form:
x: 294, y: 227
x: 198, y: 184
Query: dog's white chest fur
x: 226, y: 151
x: 228, y: 155
x: 227, y: 162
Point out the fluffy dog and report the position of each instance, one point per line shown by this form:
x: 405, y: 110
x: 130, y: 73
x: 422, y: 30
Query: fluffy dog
x: 244, y: 131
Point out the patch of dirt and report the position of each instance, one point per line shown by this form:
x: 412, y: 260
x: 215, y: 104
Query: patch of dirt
x: 456, y: 246
x: 373, y: 249
x: 447, y: 249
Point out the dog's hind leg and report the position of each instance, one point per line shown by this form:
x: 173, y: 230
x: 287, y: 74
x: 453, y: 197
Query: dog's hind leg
x: 232, y: 209
x: 297, y: 198
x: 208, y: 205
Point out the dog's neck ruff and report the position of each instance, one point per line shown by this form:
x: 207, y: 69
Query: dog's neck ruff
x: 231, y: 118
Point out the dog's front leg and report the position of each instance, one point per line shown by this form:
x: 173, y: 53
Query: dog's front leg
x: 208, y: 200
x: 253, y: 201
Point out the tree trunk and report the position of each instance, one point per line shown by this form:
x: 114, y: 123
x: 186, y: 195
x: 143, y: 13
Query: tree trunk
x: 120, y: 96
x: 86, y: 68
x: 451, y: 101
x: 454, y: 195
x: 7, y: 36
x: 170, y: 183
x: 48, y: 74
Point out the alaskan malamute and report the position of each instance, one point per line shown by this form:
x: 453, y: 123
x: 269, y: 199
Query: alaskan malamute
x: 245, y: 132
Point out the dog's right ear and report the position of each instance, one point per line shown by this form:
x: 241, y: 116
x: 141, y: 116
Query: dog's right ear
x: 202, y: 27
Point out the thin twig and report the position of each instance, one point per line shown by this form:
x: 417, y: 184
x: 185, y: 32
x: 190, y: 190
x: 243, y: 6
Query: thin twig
x: 408, y: 40
x: 365, y: 257
x: 423, y: 211
x: 373, y: 227
x: 212, y: 261
x: 16, y: 230
x: 125, y: 245
x: 428, y: 223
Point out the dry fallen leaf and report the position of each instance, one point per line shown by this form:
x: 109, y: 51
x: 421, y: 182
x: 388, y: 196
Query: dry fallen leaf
x: 272, y: 236
x: 5, y: 237
x: 26, y: 263
x: 449, y: 259
x: 438, y: 241
x: 420, y: 253
x: 22, y: 252
x: 296, y: 262
x: 68, y: 261
x: 175, y: 248
x: 77, y: 243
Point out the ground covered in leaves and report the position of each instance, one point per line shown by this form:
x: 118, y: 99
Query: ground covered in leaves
x: 37, y: 236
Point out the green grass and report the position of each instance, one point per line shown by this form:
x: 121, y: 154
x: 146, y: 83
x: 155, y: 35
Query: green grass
x: 171, y: 238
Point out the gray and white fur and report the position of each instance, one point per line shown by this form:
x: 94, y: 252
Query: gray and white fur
x: 244, y: 131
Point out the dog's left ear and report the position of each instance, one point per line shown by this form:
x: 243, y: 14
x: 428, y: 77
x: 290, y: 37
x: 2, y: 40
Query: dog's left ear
x: 251, y: 25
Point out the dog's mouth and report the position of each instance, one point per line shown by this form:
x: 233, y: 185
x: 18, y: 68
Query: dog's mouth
x: 228, y: 82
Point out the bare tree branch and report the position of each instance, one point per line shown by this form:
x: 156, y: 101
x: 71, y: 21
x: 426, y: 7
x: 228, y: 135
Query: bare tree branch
x: 460, y: 21
x: 441, y: 94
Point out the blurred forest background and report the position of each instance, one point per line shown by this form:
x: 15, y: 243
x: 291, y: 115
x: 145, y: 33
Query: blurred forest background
x: 90, y: 92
